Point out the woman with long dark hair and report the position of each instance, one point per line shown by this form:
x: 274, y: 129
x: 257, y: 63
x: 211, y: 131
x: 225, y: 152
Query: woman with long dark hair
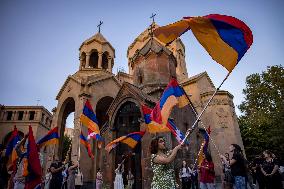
x: 270, y: 170
x: 185, y: 175
x: 238, y: 166
x: 161, y: 159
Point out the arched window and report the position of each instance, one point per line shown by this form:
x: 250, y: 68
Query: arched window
x: 101, y: 109
x: 105, y: 60
x: 94, y: 59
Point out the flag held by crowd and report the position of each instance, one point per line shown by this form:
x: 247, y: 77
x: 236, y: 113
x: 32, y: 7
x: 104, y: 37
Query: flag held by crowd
x: 84, y: 142
x: 179, y: 136
x: 225, y: 38
x: 131, y: 140
x: 95, y: 136
x: 11, y: 151
x: 89, y: 118
x: 34, y: 168
x: 204, y: 146
x: 206, y: 138
x: 152, y: 126
x: 51, y: 138
x: 173, y: 95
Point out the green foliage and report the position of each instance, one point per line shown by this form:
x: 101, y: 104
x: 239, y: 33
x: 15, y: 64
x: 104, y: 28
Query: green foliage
x: 66, y: 144
x: 262, y: 120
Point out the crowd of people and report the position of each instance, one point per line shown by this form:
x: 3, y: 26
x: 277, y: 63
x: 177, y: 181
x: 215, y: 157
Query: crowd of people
x: 63, y: 175
x: 60, y: 175
x: 264, y: 171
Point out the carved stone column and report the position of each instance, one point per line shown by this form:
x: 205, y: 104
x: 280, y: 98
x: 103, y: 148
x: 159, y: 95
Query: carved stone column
x: 25, y: 115
x: 81, y: 62
x: 77, y: 126
x: 4, y: 113
x: 75, y: 140
x: 87, y: 60
x: 42, y: 118
x: 14, y: 115
x: 109, y: 64
x: 36, y: 116
x: 100, y: 59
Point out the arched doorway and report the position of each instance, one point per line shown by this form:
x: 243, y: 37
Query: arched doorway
x: 126, y: 121
x: 66, y: 109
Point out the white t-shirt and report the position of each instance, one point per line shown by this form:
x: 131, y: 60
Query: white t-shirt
x: 185, y: 172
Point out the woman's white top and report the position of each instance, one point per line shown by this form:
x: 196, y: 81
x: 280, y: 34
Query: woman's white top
x: 185, y: 172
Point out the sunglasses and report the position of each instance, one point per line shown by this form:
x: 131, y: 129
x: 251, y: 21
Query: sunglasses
x: 161, y: 141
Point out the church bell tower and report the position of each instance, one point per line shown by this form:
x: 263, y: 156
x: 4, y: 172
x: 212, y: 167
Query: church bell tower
x: 96, y: 53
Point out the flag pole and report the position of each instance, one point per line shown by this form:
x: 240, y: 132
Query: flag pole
x: 199, y: 152
x: 190, y: 130
x: 79, y: 145
x: 95, y: 158
x: 192, y: 107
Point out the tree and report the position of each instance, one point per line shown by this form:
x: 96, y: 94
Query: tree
x: 262, y: 119
x: 66, y: 145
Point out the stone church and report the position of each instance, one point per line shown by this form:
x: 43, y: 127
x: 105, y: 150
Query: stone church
x: 117, y: 99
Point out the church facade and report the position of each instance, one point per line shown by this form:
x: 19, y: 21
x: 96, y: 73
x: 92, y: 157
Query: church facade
x: 117, y: 100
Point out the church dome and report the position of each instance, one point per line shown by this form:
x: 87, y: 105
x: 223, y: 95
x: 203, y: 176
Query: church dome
x: 140, y: 41
x: 177, y: 48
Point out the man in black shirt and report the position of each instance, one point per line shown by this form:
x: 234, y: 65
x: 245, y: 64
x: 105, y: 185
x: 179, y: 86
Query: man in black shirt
x: 257, y: 171
x: 56, y: 170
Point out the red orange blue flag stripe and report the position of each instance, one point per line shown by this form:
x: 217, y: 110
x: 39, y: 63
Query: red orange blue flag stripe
x: 50, y: 138
x: 131, y: 140
x: 84, y: 142
x: 34, y: 168
x: 206, y: 138
x: 204, y: 146
x: 153, y: 127
x: 95, y: 136
x: 89, y: 119
x: 173, y: 95
x: 11, y: 151
x: 225, y: 38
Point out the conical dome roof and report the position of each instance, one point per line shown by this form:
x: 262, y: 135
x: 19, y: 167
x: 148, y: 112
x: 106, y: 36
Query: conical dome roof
x: 142, y: 38
x: 98, y: 37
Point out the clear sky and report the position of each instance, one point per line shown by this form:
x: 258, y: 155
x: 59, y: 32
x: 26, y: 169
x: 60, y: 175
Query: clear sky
x: 39, y: 40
